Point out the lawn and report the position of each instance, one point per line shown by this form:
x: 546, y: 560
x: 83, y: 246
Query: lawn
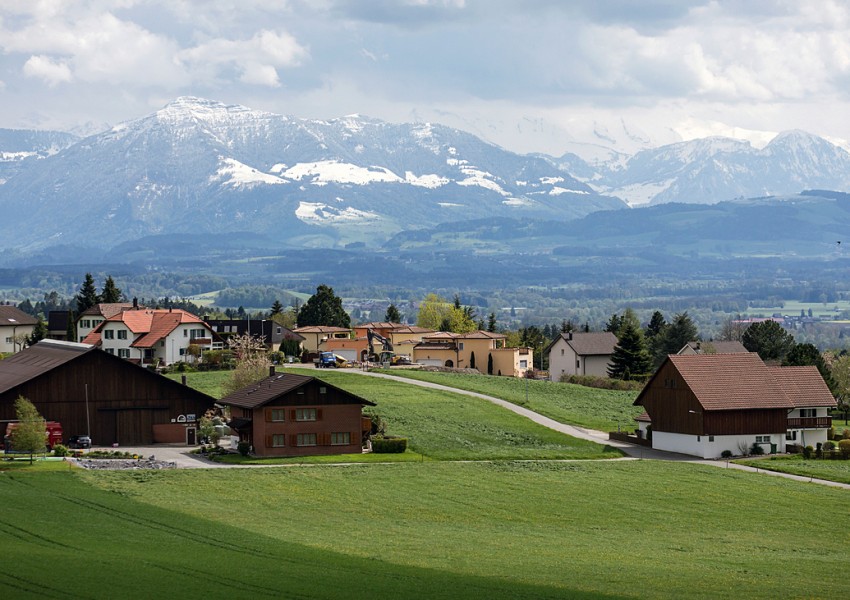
x: 639, y: 529
x: 831, y: 470
x: 564, y: 402
x: 208, y: 382
x: 441, y: 425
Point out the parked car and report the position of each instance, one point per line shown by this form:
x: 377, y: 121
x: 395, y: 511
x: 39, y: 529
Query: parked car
x: 79, y: 441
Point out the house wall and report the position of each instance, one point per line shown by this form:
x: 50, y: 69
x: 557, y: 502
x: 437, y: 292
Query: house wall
x: 562, y: 360
x: 7, y: 337
x: 435, y: 357
x: 596, y: 365
x: 125, y: 401
x: 86, y: 324
x: 512, y: 362
x: 703, y: 447
x: 331, y: 419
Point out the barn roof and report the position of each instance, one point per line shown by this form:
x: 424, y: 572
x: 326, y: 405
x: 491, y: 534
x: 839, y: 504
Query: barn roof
x: 275, y: 386
x: 804, y: 386
x: 36, y: 360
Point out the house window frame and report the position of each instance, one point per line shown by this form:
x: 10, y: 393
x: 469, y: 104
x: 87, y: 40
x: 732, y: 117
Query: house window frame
x: 278, y: 440
x: 305, y: 415
x: 763, y: 439
x: 278, y: 415
x: 123, y: 353
x: 306, y: 440
x: 341, y: 438
x: 108, y: 334
x: 122, y: 334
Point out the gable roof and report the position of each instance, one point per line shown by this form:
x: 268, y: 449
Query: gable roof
x: 275, y: 386
x: 11, y: 316
x: 107, y: 309
x: 151, y: 325
x: 804, y: 386
x: 726, y: 381
x: 37, y: 359
x: 720, y: 347
x: 320, y: 329
x: 589, y: 344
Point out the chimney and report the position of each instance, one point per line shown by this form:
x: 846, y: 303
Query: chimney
x: 569, y: 335
x: 135, y: 303
x: 271, y: 371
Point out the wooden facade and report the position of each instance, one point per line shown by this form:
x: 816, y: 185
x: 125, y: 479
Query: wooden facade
x: 116, y: 400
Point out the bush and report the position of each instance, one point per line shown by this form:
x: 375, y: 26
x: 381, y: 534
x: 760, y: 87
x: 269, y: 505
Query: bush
x: 844, y: 448
x: 392, y: 445
x: 244, y: 448
x: 604, y: 383
x: 756, y: 450
x: 846, y: 434
x: 828, y: 446
x: 60, y: 450
x: 830, y: 433
x: 726, y: 454
x: 808, y: 451
x: 819, y: 450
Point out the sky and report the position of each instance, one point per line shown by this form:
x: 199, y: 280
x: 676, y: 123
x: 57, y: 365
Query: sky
x: 529, y: 75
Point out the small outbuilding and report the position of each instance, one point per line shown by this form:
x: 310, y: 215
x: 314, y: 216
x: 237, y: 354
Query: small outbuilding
x: 298, y: 415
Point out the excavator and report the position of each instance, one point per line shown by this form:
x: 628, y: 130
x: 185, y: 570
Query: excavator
x: 386, y: 354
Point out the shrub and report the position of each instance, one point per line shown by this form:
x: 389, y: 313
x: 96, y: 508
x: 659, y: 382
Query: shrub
x: 844, y: 448
x: 819, y: 450
x: 830, y: 433
x: 60, y: 450
x: 392, y: 445
x: 808, y: 451
x: 244, y: 448
x: 846, y: 434
x: 756, y: 450
x: 726, y: 454
x: 828, y: 446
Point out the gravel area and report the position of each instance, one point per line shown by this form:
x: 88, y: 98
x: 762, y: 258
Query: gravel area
x: 124, y: 464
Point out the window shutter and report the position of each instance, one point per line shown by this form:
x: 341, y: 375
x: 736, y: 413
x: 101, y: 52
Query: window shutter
x: 268, y: 413
x: 327, y: 437
x: 292, y: 415
x: 356, y: 438
x: 319, y: 414
x: 293, y: 439
x: 269, y: 441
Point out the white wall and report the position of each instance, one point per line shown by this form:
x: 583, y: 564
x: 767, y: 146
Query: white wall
x: 562, y: 360
x: 701, y: 446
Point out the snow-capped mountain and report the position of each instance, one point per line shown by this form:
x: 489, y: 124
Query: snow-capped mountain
x: 198, y: 166
x: 20, y: 145
x: 716, y: 169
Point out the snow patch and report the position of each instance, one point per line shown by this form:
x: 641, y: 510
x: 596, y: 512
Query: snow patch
x: 426, y: 181
x: 480, y: 178
x: 640, y: 193
x: 557, y: 191
x: 333, y: 171
x: 551, y: 180
x: 237, y: 174
x: 322, y: 214
x: 517, y: 202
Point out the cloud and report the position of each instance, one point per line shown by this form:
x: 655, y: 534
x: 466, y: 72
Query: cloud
x: 50, y: 71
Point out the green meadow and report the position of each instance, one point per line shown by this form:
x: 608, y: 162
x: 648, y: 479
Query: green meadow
x: 831, y: 470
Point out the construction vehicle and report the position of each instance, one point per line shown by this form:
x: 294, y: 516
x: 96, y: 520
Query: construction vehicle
x: 329, y: 360
x: 386, y: 355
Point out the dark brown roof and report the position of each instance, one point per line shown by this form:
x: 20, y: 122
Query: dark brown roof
x: 11, y: 316
x: 591, y: 344
x: 57, y: 320
x: 721, y: 347
x: 804, y: 386
x: 37, y: 359
x: 320, y: 329
x: 644, y: 416
x: 271, y: 388
x: 730, y: 381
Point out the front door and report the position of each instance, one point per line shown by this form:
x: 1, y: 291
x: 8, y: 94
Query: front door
x: 190, y: 436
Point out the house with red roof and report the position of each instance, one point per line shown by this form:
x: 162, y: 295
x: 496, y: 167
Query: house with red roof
x: 153, y: 336
x: 703, y: 404
x: 89, y: 319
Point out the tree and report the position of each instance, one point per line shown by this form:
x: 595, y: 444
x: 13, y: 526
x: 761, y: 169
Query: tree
x: 71, y: 328
x: 39, y: 332
x: 769, y: 339
x: 567, y: 326
x: 630, y: 358
x: 392, y: 316
x: 276, y: 309
x: 31, y: 430
x: 252, y: 363
x: 673, y: 338
x: 438, y: 314
x: 87, y: 296
x: 656, y: 325
x: 732, y: 330
x: 491, y: 322
x: 323, y: 308
x: 472, y: 360
x: 841, y: 376
x: 111, y: 293
x: 490, y: 364
x: 808, y: 355
x: 613, y: 324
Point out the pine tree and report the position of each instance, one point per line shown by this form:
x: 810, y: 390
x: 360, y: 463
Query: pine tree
x: 472, y: 360
x: 490, y: 364
x: 87, y: 297
x: 769, y: 339
x: 674, y: 337
x: 491, y: 322
x: 277, y: 308
x: 656, y: 325
x: 392, y: 316
x: 323, y: 308
x: 111, y: 293
x: 71, y: 328
x: 630, y: 358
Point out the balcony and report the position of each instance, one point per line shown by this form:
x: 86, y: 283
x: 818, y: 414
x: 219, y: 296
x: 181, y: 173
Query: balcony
x: 810, y: 423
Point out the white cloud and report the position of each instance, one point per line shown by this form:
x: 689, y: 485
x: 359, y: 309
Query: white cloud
x: 50, y: 71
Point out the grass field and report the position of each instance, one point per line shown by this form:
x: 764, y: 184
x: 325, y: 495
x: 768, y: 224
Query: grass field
x: 637, y: 529
x: 831, y: 470
x: 563, y: 402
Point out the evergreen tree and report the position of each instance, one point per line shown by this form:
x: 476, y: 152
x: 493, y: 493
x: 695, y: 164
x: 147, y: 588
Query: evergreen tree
x: 277, y: 308
x: 87, y: 296
x: 656, y: 326
x: 490, y: 364
x: 39, y: 332
x: 769, y: 339
x: 614, y: 323
x: 111, y: 293
x: 31, y: 431
x: 472, y: 360
x: 630, y: 358
x: 674, y: 337
x: 392, y: 316
x: 71, y: 328
x: 323, y: 308
x: 567, y: 326
x: 491, y: 322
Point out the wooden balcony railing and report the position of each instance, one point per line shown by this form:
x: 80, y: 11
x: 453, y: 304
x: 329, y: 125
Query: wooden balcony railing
x: 810, y: 423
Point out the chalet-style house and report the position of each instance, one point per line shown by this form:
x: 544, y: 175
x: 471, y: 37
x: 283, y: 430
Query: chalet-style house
x: 153, y: 336
x: 89, y: 319
x: 579, y: 353
x: 703, y: 404
x: 269, y: 331
x: 14, y: 325
x: 298, y: 415
x: 315, y: 335
x: 720, y: 347
x: 92, y: 392
x: 480, y: 350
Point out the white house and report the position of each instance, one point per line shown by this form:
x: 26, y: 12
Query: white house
x: 577, y: 353
x: 15, y: 324
x: 94, y: 315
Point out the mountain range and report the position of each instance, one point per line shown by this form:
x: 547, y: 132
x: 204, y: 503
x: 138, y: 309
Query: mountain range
x: 202, y: 168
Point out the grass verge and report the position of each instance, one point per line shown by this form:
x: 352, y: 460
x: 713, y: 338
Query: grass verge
x: 830, y: 470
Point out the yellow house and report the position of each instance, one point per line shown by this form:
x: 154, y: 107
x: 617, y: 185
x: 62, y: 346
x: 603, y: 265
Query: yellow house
x: 402, y: 337
x: 315, y: 335
x: 480, y: 350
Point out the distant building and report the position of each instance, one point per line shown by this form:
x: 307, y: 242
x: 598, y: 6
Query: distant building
x: 271, y: 332
x: 712, y: 348
x: 579, y: 353
x: 14, y: 325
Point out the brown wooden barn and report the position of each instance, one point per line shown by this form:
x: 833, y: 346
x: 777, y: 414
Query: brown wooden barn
x: 298, y: 415
x: 88, y: 390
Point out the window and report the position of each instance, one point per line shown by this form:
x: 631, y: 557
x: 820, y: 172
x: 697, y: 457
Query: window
x: 278, y: 330
x: 578, y: 363
x: 340, y: 439
x: 124, y: 352
x: 460, y: 346
x: 197, y: 333
x: 108, y: 334
x: 323, y: 390
x: 185, y: 333
x: 278, y: 440
x: 762, y: 439
x: 278, y: 414
x: 9, y: 340
x: 122, y: 334
x: 698, y: 438
x: 305, y: 414
x: 711, y: 438
x: 182, y: 351
x: 110, y: 351
x: 523, y: 364
x: 562, y: 351
x: 306, y: 439
x: 808, y: 412
x: 791, y: 436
